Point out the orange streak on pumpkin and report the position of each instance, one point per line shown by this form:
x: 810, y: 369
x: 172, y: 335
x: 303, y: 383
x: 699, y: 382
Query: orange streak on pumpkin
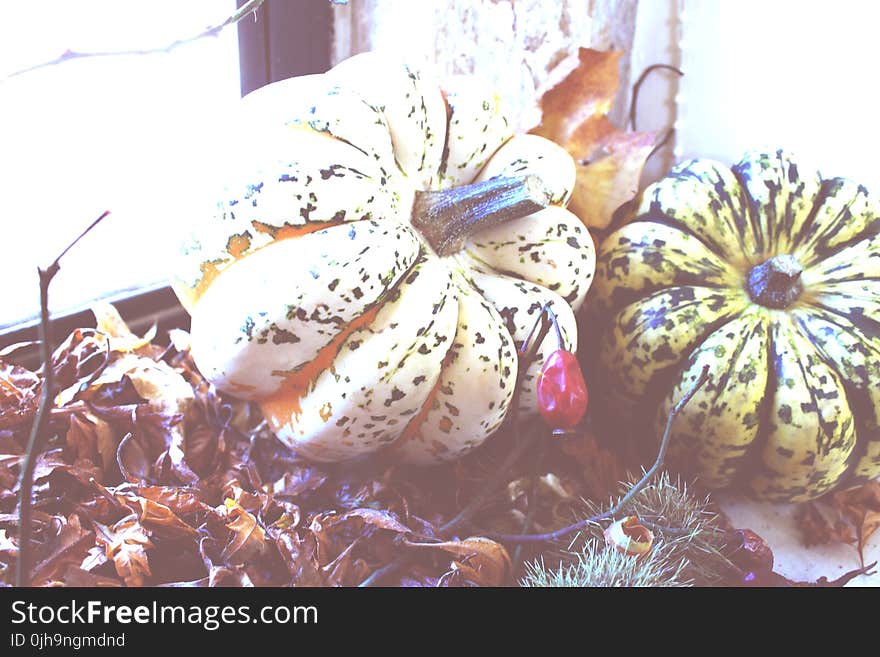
x: 237, y: 245
x: 283, y: 406
x: 414, y: 427
x: 238, y: 248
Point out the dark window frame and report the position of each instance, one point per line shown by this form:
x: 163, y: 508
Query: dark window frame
x: 288, y: 38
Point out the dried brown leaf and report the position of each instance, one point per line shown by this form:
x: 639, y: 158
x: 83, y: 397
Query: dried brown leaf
x: 480, y: 561
x: 92, y: 438
x: 861, y: 506
x: 161, y: 520
x: 79, y: 577
x: 69, y: 545
x: 820, y: 524
x: 126, y: 544
x: 19, y: 395
x: 110, y: 323
x: 376, y: 518
x: 611, y: 177
x: 609, y: 161
x: 345, y: 569
x: 181, y: 501
x: 299, y: 480
x: 248, y: 537
x: 300, y: 556
x: 132, y: 461
x: 52, y: 462
x: 581, y: 100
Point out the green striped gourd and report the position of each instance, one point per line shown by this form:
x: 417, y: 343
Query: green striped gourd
x: 770, y: 275
x: 355, y: 278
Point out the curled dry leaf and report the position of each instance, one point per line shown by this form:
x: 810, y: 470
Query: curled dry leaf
x: 300, y: 479
x: 610, y: 161
x: 300, y: 557
x: 376, y: 518
x: 849, y: 516
x: 110, y: 323
x: 51, y: 463
x: 126, y: 544
x: 220, y: 574
x: 480, y: 561
x: 346, y: 569
x: 68, y: 545
x: 248, y: 537
x: 161, y: 520
x: 819, y: 525
x: 629, y: 536
x: 180, y: 500
x: 19, y: 395
x: 861, y: 506
x: 132, y: 461
x: 90, y: 435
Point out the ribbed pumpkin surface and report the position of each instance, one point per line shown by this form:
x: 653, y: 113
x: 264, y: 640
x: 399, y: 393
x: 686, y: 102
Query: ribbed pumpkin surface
x: 770, y: 275
x: 312, y: 293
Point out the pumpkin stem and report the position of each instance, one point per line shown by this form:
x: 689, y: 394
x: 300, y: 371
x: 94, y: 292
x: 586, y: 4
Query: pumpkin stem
x: 776, y: 283
x: 447, y: 218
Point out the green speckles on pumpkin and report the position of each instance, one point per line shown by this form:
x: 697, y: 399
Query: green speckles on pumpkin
x: 783, y: 412
x: 716, y: 430
x: 813, y: 423
x: 476, y: 130
x: 632, y: 264
x: 705, y: 226
x: 659, y: 331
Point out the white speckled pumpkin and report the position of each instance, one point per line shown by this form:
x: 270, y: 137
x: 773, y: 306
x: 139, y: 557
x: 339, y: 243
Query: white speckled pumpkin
x: 313, y: 292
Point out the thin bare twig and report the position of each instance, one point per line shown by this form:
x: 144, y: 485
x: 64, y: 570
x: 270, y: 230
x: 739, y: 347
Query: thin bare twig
x: 634, y: 103
x: 632, y: 492
x: 35, y: 440
x: 246, y: 9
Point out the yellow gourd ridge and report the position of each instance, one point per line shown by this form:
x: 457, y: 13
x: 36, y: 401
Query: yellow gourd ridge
x: 770, y: 275
x: 312, y: 293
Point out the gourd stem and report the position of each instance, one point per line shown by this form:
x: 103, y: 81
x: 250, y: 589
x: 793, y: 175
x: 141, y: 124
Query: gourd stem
x: 447, y: 218
x: 776, y: 283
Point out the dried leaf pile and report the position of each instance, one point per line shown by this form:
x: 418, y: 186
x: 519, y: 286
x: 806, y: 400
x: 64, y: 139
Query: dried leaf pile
x: 154, y: 478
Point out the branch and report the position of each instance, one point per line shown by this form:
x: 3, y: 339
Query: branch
x: 632, y: 492
x: 249, y: 7
x: 35, y: 442
x: 634, y: 103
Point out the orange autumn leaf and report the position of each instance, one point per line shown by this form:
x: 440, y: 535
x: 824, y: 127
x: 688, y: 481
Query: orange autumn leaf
x: 126, y: 545
x: 612, y: 179
x: 609, y: 160
x: 162, y: 520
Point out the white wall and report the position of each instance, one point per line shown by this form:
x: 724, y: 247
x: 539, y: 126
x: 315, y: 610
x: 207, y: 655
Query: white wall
x: 782, y: 73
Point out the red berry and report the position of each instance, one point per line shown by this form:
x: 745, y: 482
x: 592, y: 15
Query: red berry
x: 562, y: 392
